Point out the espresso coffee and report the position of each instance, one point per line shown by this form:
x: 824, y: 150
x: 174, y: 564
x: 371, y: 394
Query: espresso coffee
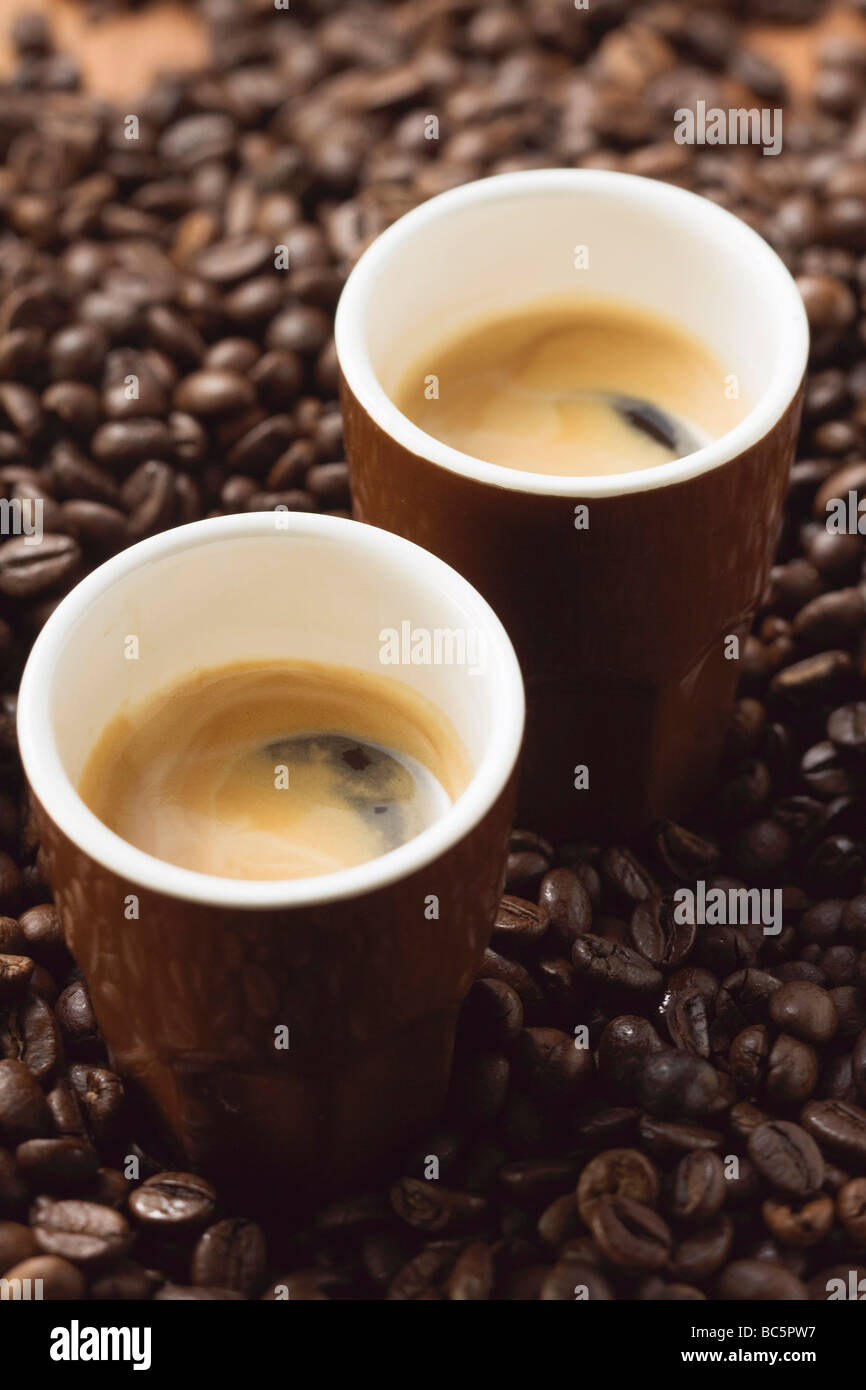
x: 572, y: 387
x: 275, y: 770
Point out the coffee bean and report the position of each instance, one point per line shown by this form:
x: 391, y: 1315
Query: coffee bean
x: 430, y: 1207
x: 805, y: 1010
x: 230, y: 1254
x: 626, y: 876
x: 677, y: 1084
x: 492, y: 1014
x: 701, y: 1253
x: 758, y: 1280
x: 697, y: 1191
x: 799, y: 1224
x: 567, y: 903
x: 616, y: 1173
x: 15, y: 973
x: 496, y: 967
x: 787, y: 1156
x: 58, y: 1166
x: 609, y: 963
x: 658, y: 936
x: 553, y: 1067
x: 81, y: 1232
x: 630, y: 1233
x: 174, y: 1201
x: 23, y: 1112
x: 27, y: 570
x: 851, y: 1206
x: 518, y: 925
x: 839, y: 1127
x: 686, y: 855
x: 57, y: 1278
x: 791, y: 1072
x: 100, y: 1095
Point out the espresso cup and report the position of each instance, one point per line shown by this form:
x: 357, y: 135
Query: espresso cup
x: 621, y: 593
x: 297, y: 1031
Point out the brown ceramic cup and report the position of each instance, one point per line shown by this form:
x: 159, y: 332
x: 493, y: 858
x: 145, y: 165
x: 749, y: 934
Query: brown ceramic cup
x: 621, y: 614
x: 292, y: 1032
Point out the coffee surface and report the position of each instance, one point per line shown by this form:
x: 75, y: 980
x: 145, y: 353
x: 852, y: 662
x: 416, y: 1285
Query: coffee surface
x: 572, y: 388
x: 279, y: 770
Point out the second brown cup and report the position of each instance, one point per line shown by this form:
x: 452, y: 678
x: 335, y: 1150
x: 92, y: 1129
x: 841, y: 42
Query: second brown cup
x: 621, y: 593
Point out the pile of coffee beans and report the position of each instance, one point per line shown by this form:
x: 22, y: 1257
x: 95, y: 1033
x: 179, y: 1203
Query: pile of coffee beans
x: 706, y: 1138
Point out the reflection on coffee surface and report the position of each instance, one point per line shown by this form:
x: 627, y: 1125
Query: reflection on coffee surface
x: 572, y: 387
x: 277, y: 770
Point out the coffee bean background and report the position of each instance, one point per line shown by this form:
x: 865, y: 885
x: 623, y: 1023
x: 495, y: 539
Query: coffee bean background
x: 608, y: 1167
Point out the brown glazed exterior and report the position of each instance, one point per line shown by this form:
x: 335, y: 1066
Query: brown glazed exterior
x: 190, y: 997
x: 619, y: 629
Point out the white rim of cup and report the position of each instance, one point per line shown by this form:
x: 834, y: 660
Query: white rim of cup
x: 52, y: 786
x: 355, y: 303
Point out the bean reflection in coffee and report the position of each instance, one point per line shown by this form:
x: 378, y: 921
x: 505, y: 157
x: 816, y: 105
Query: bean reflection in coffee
x: 278, y: 770
x: 571, y: 387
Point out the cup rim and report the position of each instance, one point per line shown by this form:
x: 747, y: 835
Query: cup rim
x: 362, y: 381
x: 60, y: 799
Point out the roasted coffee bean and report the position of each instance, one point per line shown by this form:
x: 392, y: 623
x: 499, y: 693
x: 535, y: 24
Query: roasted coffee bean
x: 57, y: 1278
x: 43, y: 935
x: 687, y: 1017
x: 630, y: 1233
x: 100, y: 1095
x: 609, y: 963
x: 492, y: 1014
x: 496, y: 967
x: 472, y: 1278
x: 851, y: 1206
x: 231, y: 1255
x: 559, y: 1221
x: 626, y: 876
x: 28, y: 570
x: 676, y: 1083
x: 839, y: 1127
x: 567, y: 903
x: 616, y: 1173
x: 17, y: 1243
x: 76, y: 1018
x: 15, y: 973
x: 518, y: 925
x: 700, y: 1253
x: 554, y: 1068
x: 82, y: 1232
x: 697, y: 1191
x: 805, y: 1010
x: 787, y: 1156
x: 800, y: 1224
x: 430, y: 1207
x: 625, y: 1043
x: 174, y: 1201
x: 759, y: 1280
x: 23, y: 1111
x: 791, y: 1073
x: 658, y: 936
x: 686, y: 855
x: 58, y: 1166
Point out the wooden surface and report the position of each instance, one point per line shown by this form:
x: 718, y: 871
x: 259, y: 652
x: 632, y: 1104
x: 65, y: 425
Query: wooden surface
x: 120, y: 55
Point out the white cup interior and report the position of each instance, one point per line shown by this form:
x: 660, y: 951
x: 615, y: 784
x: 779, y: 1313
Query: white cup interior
x: 502, y: 243
x: 262, y: 587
